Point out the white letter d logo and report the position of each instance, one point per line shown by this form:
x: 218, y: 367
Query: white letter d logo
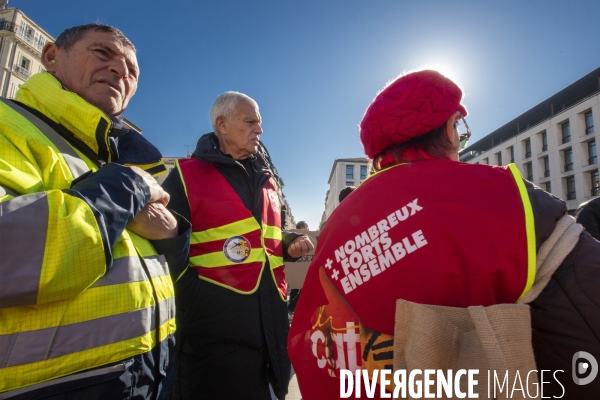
x: 582, y: 367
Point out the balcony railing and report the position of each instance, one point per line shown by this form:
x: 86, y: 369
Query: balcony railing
x: 21, y: 72
x: 24, y: 35
x: 569, y: 167
x: 30, y: 39
x: 546, y: 173
x: 7, y: 26
x: 593, y: 160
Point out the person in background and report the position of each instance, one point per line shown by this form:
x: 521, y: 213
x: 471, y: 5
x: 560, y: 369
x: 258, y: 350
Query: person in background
x: 588, y: 215
x: 295, y: 293
x: 86, y: 300
x: 345, y: 192
x: 231, y: 301
x: 302, y: 225
x: 430, y: 230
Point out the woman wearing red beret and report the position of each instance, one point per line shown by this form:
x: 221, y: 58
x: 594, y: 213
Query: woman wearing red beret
x: 430, y: 230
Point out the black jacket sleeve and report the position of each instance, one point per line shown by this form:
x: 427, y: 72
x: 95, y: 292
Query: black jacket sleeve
x: 116, y: 194
x: 179, y: 201
x: 176, y: 250
x: 565, y: 317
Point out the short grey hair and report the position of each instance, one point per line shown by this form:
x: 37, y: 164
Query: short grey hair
x: 70, y: 36
x: 224, y: 106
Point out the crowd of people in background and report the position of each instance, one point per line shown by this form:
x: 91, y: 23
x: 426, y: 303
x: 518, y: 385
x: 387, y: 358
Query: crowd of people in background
x: 113, y: 287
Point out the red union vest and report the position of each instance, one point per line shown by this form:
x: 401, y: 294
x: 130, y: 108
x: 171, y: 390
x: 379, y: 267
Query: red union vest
x: 434, y: 232
x: 228, y: 247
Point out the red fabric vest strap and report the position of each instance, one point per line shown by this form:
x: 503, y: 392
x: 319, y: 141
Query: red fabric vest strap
x: 228, y: 246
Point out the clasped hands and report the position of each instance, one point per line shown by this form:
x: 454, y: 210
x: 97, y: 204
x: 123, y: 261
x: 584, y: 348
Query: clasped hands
x: 154, y: 222
x: 300, y: 246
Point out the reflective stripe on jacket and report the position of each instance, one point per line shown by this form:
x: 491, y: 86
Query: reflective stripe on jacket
x: 228, y: 246
x: 61, y: 311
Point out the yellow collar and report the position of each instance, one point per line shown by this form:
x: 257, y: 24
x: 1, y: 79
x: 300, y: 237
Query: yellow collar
x: 88, y: 123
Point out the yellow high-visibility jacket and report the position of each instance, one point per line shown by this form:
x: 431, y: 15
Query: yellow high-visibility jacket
x: 65, y: 305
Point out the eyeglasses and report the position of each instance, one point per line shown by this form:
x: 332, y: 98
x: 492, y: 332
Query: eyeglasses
x: 464, y: 133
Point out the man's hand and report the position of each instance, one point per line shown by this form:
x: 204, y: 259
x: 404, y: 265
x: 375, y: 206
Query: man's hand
x: 300, y: 246
x: 157, y: 194
x: 154, y: 222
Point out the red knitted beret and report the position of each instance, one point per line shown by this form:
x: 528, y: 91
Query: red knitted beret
x: 410, y: 106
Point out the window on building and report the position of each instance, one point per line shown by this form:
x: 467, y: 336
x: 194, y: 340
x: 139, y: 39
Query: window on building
x: 499, y: 158
x: 25, y: 63
x: 39, y: 40
x: 548, y: 187
x: 350, y: 172
x: 529, y: 171
x: 546, y: 167
x: 25, y: 31
x: 593, y: 158
x: 595, y: 183
x: 570, y: 187
x: 363, y: 172
x: 527, y: 145
x: 568, y: 153
x: 566, y: 132
x: 485, y: 161
x: 511, y: 150
x: 589, y: 123
x: 349, y: 183
x: 544, y: 141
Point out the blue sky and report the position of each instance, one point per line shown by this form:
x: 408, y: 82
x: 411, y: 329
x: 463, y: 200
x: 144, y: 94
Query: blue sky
x: 315, y: 66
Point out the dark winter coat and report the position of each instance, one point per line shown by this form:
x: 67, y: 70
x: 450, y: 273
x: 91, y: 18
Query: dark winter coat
x: 212, y: 319
x: 566, y: 316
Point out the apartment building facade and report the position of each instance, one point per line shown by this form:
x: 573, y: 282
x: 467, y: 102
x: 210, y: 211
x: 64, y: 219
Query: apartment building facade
x: 345, y: 172
x: 21, y: 44
x: 553, y: 144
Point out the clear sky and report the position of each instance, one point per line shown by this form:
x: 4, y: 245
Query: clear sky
x: 314, y: 66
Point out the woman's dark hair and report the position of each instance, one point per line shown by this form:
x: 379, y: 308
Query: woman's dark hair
x: 435, y: 143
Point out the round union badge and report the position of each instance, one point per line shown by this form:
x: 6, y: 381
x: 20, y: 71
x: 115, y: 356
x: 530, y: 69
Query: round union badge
x: 237, y: 249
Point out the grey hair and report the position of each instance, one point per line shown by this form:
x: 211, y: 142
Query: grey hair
x: 70, y: 36
x: 224, y: 106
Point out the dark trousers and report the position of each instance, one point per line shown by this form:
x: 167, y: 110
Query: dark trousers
x: 230, y: 345
x: 294, y: 297
x: 220, y: 371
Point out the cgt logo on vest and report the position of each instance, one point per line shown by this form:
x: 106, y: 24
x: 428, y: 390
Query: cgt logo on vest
x: 237, y: 249
x: 274, y: 200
